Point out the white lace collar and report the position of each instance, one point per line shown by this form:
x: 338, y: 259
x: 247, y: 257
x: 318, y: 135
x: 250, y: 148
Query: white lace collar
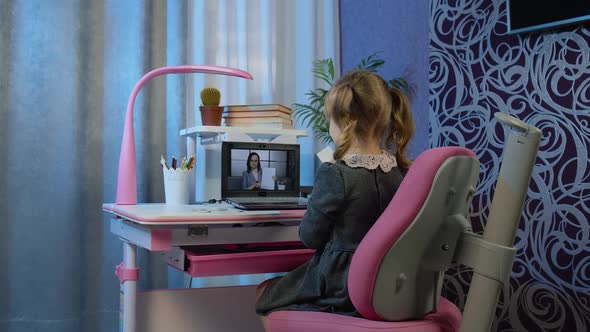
x: 385, y: 160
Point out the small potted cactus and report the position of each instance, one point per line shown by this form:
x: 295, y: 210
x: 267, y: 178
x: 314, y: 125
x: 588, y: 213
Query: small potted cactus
x: 210, y: 110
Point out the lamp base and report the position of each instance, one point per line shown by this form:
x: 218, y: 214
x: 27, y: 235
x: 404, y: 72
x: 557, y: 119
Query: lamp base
x: 211, y: 115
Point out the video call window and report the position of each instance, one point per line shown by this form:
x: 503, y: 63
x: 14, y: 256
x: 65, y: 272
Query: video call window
x: 279, y: 163
x: 268, y: 159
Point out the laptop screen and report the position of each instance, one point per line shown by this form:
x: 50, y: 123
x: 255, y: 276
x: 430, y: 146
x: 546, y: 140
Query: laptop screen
x: 250, y: 169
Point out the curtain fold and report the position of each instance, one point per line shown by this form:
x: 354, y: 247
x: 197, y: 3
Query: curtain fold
x: 68, y: 68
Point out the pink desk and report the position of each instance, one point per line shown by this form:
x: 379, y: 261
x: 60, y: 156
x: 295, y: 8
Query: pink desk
x: 169, y: 229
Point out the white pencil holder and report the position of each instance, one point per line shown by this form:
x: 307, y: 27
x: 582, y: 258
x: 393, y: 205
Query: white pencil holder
x: 176, y: 186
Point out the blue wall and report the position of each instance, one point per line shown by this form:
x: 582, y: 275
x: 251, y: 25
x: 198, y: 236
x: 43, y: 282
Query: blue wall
x: 398, y: 30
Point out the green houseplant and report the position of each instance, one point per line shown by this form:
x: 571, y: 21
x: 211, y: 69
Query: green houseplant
x: 312, y: 114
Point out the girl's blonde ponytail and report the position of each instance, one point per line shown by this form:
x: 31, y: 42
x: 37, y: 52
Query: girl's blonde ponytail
x: 402, y: 126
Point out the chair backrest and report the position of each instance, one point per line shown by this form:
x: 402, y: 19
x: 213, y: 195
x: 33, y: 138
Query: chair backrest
x: 396, y: 272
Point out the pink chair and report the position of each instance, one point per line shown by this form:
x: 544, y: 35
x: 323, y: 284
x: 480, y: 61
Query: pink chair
x: 396, y: 274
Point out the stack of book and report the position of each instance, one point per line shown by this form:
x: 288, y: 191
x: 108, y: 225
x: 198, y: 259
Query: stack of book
x: 263, y: 115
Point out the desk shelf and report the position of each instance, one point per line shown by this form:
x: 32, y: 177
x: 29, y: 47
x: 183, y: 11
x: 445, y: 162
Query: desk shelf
x: 208, y: 133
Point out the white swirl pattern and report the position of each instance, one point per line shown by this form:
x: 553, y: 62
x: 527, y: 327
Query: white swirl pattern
x: 476, y: 69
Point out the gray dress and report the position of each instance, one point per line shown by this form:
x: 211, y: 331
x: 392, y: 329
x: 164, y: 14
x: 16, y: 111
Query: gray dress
x: 248, y: 178
x: 345, y: 202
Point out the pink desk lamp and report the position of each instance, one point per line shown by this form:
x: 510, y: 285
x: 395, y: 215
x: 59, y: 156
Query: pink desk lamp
x: 127, y: 178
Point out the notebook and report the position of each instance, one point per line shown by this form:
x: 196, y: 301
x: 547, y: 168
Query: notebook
x: 274, y: 185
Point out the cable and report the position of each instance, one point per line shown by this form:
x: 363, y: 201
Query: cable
x: 211, y: 201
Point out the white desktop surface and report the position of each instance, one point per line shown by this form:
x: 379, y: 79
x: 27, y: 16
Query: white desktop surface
x: 214, y: 213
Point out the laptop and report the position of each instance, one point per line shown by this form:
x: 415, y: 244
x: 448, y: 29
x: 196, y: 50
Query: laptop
x: 274, y: 187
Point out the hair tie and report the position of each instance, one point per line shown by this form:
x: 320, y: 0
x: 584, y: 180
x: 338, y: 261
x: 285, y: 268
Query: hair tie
x: 351, y: 87
x: 353, y: 92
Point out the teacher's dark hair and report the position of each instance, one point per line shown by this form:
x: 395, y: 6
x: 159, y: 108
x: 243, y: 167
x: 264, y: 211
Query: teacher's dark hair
x: 249, y: 158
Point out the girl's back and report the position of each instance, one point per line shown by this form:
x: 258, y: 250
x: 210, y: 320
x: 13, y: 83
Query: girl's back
x: 364, y: 195
x: 347, y: 199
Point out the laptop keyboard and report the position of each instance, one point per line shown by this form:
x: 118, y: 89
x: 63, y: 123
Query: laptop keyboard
x: 260, y: 199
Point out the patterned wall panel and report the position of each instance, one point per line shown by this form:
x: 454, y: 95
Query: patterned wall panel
x: 476, y: 69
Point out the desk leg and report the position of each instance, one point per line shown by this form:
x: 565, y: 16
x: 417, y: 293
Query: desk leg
x: 129, y: 289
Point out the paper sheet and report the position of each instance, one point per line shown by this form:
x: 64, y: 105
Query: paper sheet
x: 267, y: 182
x: 326, y: 155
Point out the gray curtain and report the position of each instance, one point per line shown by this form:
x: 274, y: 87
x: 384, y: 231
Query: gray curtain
x: 66, y: 71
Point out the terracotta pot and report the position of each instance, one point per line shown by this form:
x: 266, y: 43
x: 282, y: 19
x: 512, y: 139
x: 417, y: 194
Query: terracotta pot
x: 211, y: 115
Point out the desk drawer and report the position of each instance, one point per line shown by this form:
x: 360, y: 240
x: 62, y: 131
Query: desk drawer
x: 206, y: 261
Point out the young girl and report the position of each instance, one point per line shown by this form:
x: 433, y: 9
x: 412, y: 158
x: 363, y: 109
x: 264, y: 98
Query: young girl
x: 367, y: 118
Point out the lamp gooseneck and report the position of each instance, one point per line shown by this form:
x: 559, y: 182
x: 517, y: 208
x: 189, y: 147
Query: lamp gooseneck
x: 127, y: 176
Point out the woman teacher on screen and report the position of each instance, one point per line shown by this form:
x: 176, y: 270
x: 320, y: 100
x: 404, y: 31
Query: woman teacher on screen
x: 252, y: 177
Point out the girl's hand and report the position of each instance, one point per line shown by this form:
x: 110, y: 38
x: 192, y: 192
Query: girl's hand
x: 254, y: 186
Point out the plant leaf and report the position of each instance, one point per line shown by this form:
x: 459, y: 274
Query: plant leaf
x: 324, y: 70
x: 400, y: 83
x: 371, y: 63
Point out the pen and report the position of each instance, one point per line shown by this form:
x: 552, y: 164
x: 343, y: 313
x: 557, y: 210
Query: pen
x: 174, y: 162
x: 190, y: 162
x: 163, y: 162
x: 183, y: 163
